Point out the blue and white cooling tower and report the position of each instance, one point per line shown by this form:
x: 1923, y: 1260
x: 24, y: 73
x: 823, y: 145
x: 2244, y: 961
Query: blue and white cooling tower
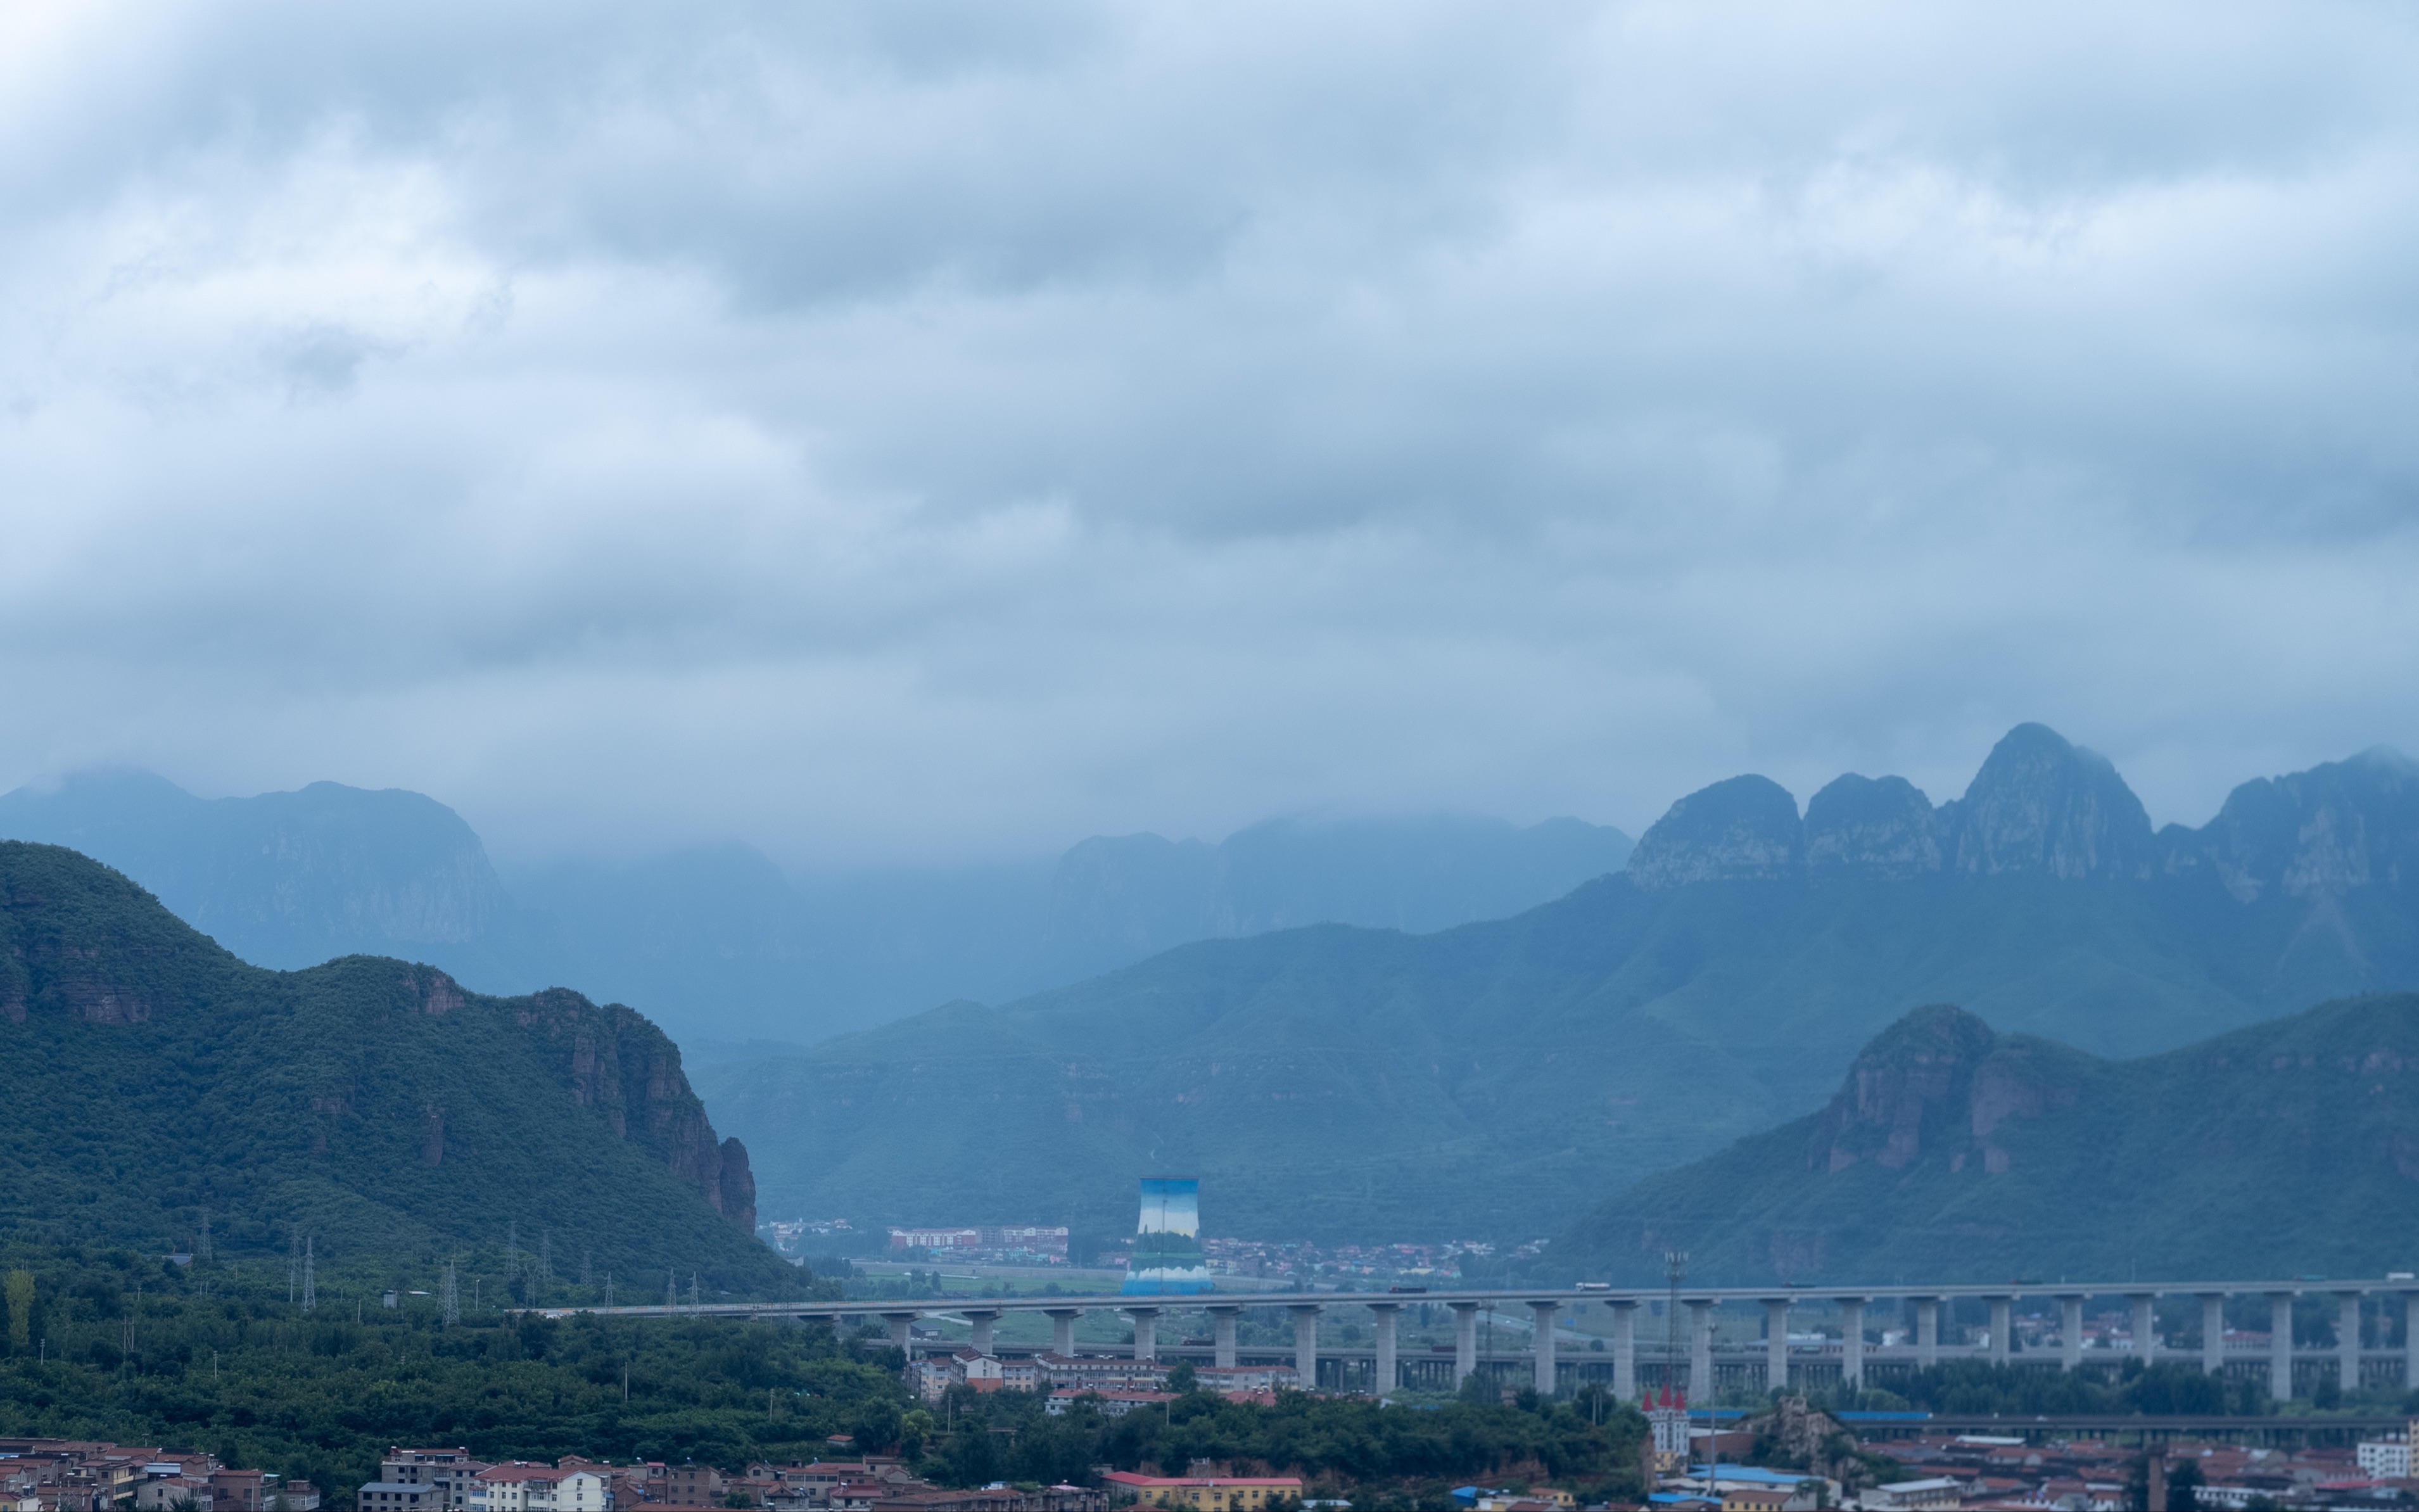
x: 1167, y: 1260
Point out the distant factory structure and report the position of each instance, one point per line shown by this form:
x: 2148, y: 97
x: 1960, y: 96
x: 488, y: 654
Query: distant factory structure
x: 1166, y: 1260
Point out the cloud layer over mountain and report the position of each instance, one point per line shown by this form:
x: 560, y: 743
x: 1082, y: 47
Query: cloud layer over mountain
x: 952, y: 429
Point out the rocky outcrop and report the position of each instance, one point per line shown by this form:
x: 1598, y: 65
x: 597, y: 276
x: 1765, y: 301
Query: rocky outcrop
x: 1745, y: 829
x: 1873, y: 827
x: 2042, y: 804
x: 1909, y: 1091
x: 2317, y: 833
x: 615, y: 1060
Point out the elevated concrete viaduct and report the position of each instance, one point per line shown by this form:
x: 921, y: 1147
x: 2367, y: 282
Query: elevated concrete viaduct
x: 1772, y: 1361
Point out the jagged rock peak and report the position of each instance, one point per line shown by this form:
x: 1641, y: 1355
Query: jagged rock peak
x: 1879, y: 827
x: 1744, y: 829
x: 2042, y: 804
x: 2336, y: 826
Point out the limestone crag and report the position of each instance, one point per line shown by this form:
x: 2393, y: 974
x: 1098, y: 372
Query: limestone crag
x: 618, y: 1061
x: 1745, y: 829
x: 2044, y: 806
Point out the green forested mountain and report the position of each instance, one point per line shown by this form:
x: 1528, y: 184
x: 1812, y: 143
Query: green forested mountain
x: 2289, y: 1148
x: 153, y: 1078
x: 1501, y: 1078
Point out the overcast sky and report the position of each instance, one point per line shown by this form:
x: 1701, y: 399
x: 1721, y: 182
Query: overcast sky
x: 916, y: 431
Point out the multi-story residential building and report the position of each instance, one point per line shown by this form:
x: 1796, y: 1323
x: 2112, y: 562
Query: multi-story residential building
x: 397, y: 1496
x: 450, y: 1471
x: 2389, y: 1457
x: 574, y: 1486
x: 688, y: 1485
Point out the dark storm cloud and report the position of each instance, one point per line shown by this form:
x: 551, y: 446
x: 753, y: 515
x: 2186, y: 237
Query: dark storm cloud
x: 942, y: 429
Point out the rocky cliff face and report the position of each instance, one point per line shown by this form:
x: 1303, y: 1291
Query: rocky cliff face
x: 1910, y: 1088
x: 1883, y: 827
x: 2043, y: 806
x: 619, y: 1062
x: 2317, y: 833
x: 1745, y: 829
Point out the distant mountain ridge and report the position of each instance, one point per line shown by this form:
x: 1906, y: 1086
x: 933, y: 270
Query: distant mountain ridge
x: 372, y: 1101
x: 717, y: 940
x: 2289, y: 1147
x: 2044, y: 807
x: 1501, y: 1077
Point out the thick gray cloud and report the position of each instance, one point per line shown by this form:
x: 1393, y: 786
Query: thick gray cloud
x: 928, y: 430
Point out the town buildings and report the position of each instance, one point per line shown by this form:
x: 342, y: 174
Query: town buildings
x: 75, y: 1476
x: 1207, y: 1494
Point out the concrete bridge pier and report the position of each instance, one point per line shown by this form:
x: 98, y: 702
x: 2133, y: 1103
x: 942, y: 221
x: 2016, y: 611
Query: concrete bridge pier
x: 2212, y: 1333
x: 1465, y: 1341
x: 2347, y: 1340
x: 983, y: 1323
x: 2280, y: 1346
x: 1543, y: 1312
x: 2069, y: 1331
x: 1927, y: 1332
x: 1701, y: 1350
x: 2145, y: 1326
x: 1221, y: 1335
x: 1852, y: 1343
x: 1383, y: 1329
x: 1062, y: 1328
x: 2411, y: 1341
x: 1146, y: 1326
x: 902, y: 1331
x: 1624, y: 1350
x: 1305, y: 1342
x: 1776, y: 1343
x: 2002, y: 1318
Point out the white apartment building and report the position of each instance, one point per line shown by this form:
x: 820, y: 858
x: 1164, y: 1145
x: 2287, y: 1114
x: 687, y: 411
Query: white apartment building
x: 2388, y: 1456
x: 531, y: 1488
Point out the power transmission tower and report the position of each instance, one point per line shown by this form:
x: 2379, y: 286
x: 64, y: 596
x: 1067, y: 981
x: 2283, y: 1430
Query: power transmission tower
x: 671, y: 1289
x: 609, y: 1289
x: 587, y: 1273
x: 449, y: 1296
x: 309, y: 1276
x: 692, y: 1288
x: 202, y: 1250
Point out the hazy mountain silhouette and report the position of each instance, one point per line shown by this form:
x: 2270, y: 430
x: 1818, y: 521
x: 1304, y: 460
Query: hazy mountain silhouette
x: 719, y: 943
x: 1504, y: 1077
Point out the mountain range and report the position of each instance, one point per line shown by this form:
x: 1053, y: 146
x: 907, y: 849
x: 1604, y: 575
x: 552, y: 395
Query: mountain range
x: 158, y: 1087
x: 1503, y: 1077
x: 1951, y: 1152
x: 720, y: 945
